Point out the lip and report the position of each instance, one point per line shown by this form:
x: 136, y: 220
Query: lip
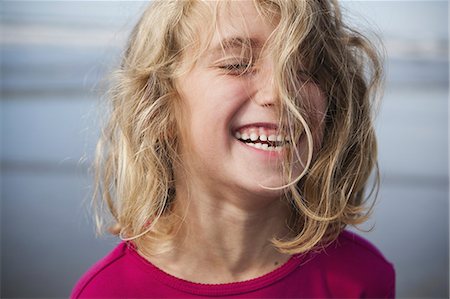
x: 262, y: 153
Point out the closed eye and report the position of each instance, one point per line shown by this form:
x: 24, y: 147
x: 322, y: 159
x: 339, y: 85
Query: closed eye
x: 237, y: 68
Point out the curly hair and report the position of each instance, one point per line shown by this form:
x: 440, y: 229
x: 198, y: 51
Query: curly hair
x: 139, y: 146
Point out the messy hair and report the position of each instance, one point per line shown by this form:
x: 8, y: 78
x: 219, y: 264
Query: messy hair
x: 139, y: 146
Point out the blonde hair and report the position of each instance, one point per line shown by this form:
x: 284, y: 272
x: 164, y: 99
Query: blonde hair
x: 138, y: 149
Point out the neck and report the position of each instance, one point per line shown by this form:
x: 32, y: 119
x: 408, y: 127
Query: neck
x: 222, y: 241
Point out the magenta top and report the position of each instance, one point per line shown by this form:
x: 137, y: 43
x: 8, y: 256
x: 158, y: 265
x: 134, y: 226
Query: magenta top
x: 350, y: 267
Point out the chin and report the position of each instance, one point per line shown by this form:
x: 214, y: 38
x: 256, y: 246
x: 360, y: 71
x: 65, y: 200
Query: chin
x: 264, y: 187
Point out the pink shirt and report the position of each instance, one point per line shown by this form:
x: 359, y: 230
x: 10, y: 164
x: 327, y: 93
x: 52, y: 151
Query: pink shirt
x: 350, y: 267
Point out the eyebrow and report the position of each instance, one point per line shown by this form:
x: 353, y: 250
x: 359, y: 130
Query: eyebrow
x: 236, y: 42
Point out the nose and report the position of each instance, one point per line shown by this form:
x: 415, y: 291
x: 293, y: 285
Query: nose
x: 266, y: 92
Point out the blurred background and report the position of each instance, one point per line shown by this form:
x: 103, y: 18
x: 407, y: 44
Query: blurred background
x: 53, y: 58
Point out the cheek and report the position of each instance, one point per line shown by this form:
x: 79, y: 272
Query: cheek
x: 207, y: 112
x: 317, y: 115
x: 317, y: 106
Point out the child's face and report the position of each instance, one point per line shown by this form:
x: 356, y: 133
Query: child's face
x: 221, y: 100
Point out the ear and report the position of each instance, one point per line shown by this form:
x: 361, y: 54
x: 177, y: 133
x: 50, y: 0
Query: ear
x: 115, y: 229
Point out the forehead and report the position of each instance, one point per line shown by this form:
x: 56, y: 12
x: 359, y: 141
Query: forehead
x: 238, y: 24
x: 214, y: 28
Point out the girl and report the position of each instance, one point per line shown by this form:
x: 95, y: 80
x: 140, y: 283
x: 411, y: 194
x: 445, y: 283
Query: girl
x: 238, y: 148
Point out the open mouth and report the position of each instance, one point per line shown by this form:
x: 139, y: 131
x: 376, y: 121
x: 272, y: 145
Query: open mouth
x: 262, y: 138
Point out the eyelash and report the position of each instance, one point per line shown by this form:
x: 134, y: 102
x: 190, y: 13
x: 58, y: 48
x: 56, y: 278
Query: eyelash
x: 243, y: 68
x: 240, y: 68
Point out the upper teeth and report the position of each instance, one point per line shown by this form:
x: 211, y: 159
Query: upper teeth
x: 254, y: 136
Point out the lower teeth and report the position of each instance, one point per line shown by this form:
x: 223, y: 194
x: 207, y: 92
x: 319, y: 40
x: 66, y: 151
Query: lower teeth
x: 266, y: 147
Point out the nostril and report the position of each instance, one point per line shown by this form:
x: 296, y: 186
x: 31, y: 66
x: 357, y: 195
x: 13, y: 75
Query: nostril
x: 268, y: 105
x: 265, y: 98
x: 264, y: 101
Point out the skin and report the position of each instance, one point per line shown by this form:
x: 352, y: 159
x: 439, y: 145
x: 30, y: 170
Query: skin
x: 229, y: 217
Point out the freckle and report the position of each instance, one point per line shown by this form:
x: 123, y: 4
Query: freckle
x: 276, y: 263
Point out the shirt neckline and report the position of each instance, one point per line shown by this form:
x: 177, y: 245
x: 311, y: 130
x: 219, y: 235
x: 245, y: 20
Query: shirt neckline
x: 221, y: 289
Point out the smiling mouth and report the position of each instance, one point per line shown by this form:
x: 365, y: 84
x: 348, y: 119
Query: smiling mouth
x: 262, y: 138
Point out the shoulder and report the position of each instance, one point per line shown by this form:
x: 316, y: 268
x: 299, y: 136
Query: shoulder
x: 102, y: 275
x: 352, y: 262
x: 356, y: 246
